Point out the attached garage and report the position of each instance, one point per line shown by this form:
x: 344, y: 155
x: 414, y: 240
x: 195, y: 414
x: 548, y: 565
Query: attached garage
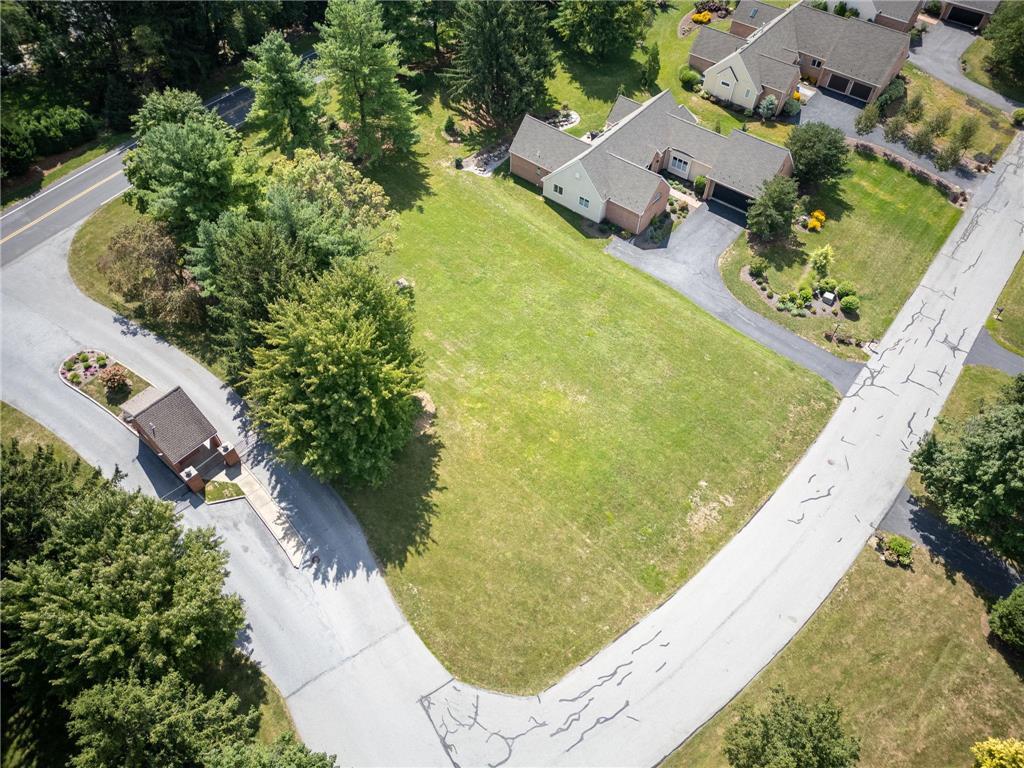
x: 969, y: 18
x: 849, y: 87
x: 861, y: 91
x: 728, y: 196
x: 838, y: 83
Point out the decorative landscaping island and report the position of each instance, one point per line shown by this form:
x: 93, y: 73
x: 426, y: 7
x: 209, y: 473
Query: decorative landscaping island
x: 102, y: 379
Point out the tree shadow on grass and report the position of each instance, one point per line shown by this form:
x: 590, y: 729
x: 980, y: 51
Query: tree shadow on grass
x: 584, y: 227
x: 829, y: 198
x: 601, y: 79
x: 398, y: 516
x: 241, y: 676
x: 780, y: 254
x: 405, y: 178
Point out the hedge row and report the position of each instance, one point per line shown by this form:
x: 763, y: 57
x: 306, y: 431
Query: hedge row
x: 47, y: 132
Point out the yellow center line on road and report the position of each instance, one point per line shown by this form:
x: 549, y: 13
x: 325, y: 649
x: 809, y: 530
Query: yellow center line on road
x: 57, y: 208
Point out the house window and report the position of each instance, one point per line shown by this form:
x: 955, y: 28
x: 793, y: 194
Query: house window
x: 748, y: 93
x: 540, y: 172
x: 558, y: 189
x: 726, y: 83
x: 680, y: 165
x: 816, y: 63
x: 584, y: 203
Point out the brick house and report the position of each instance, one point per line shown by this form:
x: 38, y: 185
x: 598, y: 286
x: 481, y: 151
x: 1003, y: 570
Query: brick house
x: 617, y: 177
x: 768, y: 50
x: 975, y: 14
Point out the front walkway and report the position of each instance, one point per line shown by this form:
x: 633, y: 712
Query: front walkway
x: 828, y: 108
x: 939, y: 55
x: 689, y: 265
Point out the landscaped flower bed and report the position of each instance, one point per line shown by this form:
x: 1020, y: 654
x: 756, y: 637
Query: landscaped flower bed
x: 102, y: 378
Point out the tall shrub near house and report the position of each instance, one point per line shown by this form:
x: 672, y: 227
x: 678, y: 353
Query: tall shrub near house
x: 771, y: 214
x: 332, y: 384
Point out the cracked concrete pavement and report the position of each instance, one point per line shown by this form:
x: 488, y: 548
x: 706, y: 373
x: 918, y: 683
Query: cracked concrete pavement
x: 359, y: 681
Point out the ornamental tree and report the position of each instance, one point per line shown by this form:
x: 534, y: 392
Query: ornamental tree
x: 503, y: 60
x: 975, y: 472
x: 284, y: 104
x: 790, y: 732
x: 771, y: 214
x: 360, y: 58
x: 332, y: 385
x: 819, y: 153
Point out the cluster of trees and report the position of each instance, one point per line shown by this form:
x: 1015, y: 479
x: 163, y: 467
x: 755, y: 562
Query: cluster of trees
x: 1006, y: 31
x: 103, y: 56
x: 113, y: 618
x: 820, y: 156
x: 277, y: 269
x: 975, y: 473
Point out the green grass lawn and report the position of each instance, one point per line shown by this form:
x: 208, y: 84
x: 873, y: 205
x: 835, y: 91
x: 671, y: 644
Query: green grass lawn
x: 30, y: 433
x: 974, y: 61
x: 113, y: 401
x: 598, y: 437
x: 1009, y: 329
x: 905, y: 654
x: 885, y: 227
x: 222, y: 490
x: 995, y: 129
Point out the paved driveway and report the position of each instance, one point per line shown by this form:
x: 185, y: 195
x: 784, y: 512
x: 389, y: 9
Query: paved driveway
x: 939, y: 54
x: 842, y: 113
x: 988, y: 351
x: 690, y: 265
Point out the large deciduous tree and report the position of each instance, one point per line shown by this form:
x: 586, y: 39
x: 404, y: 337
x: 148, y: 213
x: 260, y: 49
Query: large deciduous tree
x: 116, y: 586
x: 503, y: 58
x: 170, y: 105
x: 598, y: 29
x: 167, y: 723
x: 790, y: 732
x: 771, y: 214
x: 333, y: 383
x: 1006, y: 31
x: 975, y: 472
x: 360, y: 58
x: 819, y: 153
x: 284, y: 105
x: 186, y: 173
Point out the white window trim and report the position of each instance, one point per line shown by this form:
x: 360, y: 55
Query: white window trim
x: 816, y: 63
x: 559, y: 189
x: 584, y: 202
x: 679, y: 164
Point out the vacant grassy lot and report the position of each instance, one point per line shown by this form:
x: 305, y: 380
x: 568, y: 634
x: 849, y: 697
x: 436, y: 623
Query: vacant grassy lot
x: 995, y: 130
x: 905, y: 654
x: 597, y: 438
x: 30, y: 433
x: 974, y: 61
x: 1009, y: 329
x: 885, y: 227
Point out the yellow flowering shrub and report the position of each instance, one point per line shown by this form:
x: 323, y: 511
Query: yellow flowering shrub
x: 999, y: 753
x: 813, y: 225
x: 796, y: 94
x: 819, y: 215
x: 702, y: 18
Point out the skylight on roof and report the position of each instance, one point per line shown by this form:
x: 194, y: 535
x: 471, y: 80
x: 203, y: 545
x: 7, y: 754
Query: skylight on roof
x: 753, y: 12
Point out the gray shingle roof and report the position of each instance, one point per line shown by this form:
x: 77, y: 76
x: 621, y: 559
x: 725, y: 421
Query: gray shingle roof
x: 714, y: 45
x: 544, y: 144
x: 747, y: 162
x: 754, y: 13
x: 175, y: 424
x: 903, y: 10
x: 623, y: 107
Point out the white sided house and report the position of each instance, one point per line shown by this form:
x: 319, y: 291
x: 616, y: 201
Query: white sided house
x: 618, y: 177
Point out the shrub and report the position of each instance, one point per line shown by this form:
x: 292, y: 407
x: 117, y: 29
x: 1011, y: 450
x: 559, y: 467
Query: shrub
x: 803, y: 203
x: 791, y: 107
x: 916, y: 35
x: 821, y: 260
x: 83, y: 357
x: 840, y: 8
x: 458, y: 163
x: 689, y: 77
x: 899, y: 549
x: 821, y: 5
x: 58, y: 129
x: 759, y: 267
x: 895, y: 128
x: 748, y: 112
x: 893, y: 92
x: 699, y: 185
x: 1018, y: 117
x: 813, y: 225
x: 868, y: 119
x: 449, y: 126
x: 939, y: 123
x: 846, y: 288
x: 827, y: 284
x: 770, y: 294
x: 806, y: 296
x: 115, y: 378
x: 998, y: 753
x: 850, y: 303
x: 948, y: 157
x: 701, y: 18
x: 17, y: 150
x: 922, y: 142
x: 75, y: 378
x: 819, y: 215
x: 768, y: 106
x: 1007, y: 619
x: 933, y: 8
x: 913, y: 110
x: 101, y: 361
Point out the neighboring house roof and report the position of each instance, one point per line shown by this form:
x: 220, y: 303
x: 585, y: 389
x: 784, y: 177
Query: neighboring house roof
x: 174, y: 424
x: 623, y: 107
x: 981, y: 6
x: 901, y: 10
x: 715, y: 45
x: 754, y: 13
x: 544, y: 144
x: 748, y: 163
x: 851, y: 47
